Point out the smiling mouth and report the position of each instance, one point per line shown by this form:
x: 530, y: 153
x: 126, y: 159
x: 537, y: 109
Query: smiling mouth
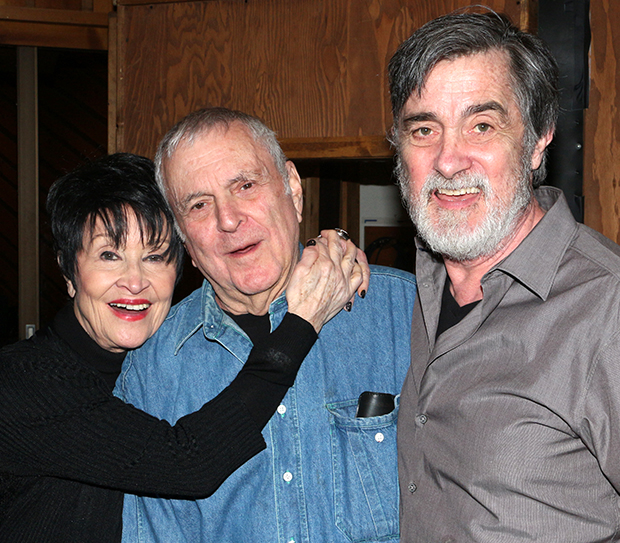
x: 458, y: 192
x: 130, y: 307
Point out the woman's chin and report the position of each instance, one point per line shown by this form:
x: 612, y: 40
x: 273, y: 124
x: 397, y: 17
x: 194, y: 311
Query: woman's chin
x: 123, y: 344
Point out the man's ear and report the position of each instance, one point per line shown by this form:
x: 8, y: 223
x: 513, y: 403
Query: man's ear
x: 297, y: 192
x: 539, y: 149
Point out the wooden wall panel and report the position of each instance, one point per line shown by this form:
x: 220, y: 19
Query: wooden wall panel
x: 311, y: 69
x: 602, y: 123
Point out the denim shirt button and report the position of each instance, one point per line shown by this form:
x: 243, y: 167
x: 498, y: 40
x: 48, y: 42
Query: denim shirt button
x: 281, y: 409
x: 379, y: 437
x: 288, y: 476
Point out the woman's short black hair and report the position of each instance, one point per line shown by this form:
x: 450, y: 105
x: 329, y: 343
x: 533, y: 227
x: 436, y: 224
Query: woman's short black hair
x: 107, y: 189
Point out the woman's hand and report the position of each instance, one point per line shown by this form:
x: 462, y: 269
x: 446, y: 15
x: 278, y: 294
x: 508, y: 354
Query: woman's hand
x: 326, y: 278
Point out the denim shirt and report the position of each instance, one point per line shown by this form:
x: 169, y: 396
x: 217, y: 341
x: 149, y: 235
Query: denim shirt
x: 326, y: 476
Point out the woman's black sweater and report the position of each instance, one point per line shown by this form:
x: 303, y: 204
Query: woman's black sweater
x: 69, y: 448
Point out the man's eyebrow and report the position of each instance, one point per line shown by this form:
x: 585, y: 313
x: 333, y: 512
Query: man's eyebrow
x: 419, y: 118
x: 241, y: 177
x: 487, y: 106
x: 428, y: 116
x: 182, y: 204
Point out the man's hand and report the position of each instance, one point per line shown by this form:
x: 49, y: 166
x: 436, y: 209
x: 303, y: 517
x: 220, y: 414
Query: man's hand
x: 326, y: 278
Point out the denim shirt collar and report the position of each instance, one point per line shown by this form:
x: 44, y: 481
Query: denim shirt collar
x: 202, y: 311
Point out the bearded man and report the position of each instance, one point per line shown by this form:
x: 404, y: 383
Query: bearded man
x: 509, y: 425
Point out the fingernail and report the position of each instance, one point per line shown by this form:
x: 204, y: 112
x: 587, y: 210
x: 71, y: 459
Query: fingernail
x: 363, y: 294
x: 348, y: 306
x: 311, y: 243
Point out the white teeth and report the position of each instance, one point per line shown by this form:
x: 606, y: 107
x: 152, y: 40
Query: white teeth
x: 459, y: 192
x: 129, y: 307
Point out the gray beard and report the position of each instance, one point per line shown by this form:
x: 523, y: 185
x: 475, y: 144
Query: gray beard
x: 447, y: 232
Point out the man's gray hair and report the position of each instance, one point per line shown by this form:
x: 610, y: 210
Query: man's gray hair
x: 533, y: 70
x: 203, y: 121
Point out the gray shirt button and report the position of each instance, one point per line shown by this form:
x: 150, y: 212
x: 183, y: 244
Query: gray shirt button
x: 422, y: 418
x: 412, y: 487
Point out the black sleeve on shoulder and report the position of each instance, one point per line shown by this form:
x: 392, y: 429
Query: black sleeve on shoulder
x: 58, y: 420
x: 272, y: 367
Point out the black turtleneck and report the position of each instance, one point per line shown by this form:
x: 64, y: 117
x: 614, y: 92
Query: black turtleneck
x: 105, y: 363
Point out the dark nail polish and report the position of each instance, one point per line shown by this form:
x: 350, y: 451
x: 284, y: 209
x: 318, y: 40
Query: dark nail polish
x: 363, y: 294
x: 348, y: 306
x: 311, y: 243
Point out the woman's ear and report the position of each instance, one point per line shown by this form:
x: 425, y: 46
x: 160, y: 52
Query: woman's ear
x: 70, y: 287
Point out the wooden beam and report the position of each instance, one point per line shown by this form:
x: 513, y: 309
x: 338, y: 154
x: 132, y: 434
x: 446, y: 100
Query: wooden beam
x: 71, y: 29
x: 28, y: 188
x: 345, y: 147
x: 143, y: 2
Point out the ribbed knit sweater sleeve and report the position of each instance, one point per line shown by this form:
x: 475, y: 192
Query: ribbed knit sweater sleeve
x: 58, y: 418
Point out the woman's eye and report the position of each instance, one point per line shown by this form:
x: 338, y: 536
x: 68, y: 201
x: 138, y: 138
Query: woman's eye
x: 108, y: 255
x: 155, y: 258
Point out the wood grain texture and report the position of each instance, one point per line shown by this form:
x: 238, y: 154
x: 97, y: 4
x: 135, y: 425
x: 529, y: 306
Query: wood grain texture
x: 602, y: 123
x: 354, y: 147
x: 310, y: 69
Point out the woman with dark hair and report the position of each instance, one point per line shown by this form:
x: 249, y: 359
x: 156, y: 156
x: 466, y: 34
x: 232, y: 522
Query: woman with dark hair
x: 68, y: 447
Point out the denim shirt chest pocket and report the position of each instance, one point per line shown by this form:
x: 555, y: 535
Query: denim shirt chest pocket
x: 365, y: 473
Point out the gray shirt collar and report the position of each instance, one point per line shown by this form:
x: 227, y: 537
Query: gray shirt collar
x: 534, y: 263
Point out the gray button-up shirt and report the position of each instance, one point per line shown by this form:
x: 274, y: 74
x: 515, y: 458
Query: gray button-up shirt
x: 509, y: 426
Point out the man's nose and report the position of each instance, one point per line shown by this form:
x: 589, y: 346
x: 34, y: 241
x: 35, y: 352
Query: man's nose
x: 452, y: 156
x: 229, y: 216
x: 134, y: 277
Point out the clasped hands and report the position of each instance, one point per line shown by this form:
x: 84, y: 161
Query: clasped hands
x: 331, y: 270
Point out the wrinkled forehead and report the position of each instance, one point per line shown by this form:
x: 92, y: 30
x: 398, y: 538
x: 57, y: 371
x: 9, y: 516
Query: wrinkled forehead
x: 216, y: 147
x: 467, y: 82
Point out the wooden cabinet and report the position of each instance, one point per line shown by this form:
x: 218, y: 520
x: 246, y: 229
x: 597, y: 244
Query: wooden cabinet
x: 314, y: 70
